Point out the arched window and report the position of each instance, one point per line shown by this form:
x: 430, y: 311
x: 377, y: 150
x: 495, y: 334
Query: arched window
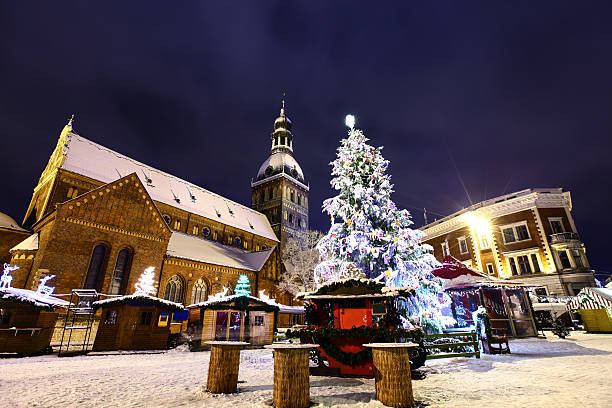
x: 95, y: 267
x: 174, y: 289
x: 120, y: 273
x: 198, y: 293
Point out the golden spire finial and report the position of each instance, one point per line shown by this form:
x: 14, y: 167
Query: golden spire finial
x: 282, y: 112
x: 71, y: 120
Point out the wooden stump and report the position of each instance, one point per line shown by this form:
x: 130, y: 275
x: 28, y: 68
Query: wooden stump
x: 291, y: 375
x: 392, y: 374
x: 223, y: 367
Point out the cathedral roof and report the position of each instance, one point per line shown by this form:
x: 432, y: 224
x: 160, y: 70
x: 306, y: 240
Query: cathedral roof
x: 90, y: 159
x: 203, y: 250
x: 9, y: 223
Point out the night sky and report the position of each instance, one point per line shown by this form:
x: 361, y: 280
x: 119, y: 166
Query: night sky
x: 515, y: 94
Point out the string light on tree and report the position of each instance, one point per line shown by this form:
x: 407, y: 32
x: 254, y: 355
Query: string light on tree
x: 146, y: 282
x: 370, y: 237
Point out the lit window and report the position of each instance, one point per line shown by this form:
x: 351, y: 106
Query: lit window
x: 120, y: 272
x: 245, y: 245
x: 556, y: 225
x: 215, y: 235
x: 536, y: 263
x: 463, y: 248
x: 173, y: 290
x: 257, y: 248
x: 95, y: 267
x: 577, y: 257
x: 484, y: 242
x: 515, y: 233
x: 445, y: 249
x: 72, y: 192
x: 524, y: 266
x: 177, y: 224
x: 196, y: 230
x: 565, y: 262
x: 198, y: 293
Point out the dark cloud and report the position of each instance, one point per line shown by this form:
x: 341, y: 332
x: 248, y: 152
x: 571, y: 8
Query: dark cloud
x: 517, y: 94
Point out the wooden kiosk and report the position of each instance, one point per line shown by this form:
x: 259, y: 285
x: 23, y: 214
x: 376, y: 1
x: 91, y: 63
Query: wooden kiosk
x: 134, y: 322
x: 236, y: 318
x: 27, y: 320
x: 595, y: 307
x: 345, y: 314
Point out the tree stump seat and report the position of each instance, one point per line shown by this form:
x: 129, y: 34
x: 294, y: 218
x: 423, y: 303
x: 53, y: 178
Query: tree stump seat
x: 392, y: 373
x: 223, y: 366
x: 291, y: 375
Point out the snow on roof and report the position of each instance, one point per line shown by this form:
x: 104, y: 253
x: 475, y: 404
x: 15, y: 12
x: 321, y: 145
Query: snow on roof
x: 145, y: 298
x: 9, y: 223
x: 204, y: 250
x: 28, y: 244
x: 229, y: 298
x: 87, y: 158
x: 32, y: 298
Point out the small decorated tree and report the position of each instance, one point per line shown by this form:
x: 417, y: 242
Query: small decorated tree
x: 243, y: 286
x: 146, y: 283
x: 370, y: 237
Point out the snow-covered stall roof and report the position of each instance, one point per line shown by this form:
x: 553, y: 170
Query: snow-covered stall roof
x: 28, y: 244
x: 90, y: 159
x: 592, y: 298
x: 456, y: 275
x: 215, y: 300
x: 137, y: 298
x: 354, y: 288
x: 32, y: 298
x: 204, y: 250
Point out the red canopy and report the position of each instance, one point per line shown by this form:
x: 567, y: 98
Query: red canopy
x: 451, y: 268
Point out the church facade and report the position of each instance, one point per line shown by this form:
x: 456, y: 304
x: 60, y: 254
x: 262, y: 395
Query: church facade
x: 98, y: 218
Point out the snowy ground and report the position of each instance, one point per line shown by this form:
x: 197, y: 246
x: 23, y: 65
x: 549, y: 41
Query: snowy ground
x: 540, y: 373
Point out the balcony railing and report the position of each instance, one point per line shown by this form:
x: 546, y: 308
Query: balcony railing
x: 564, y: 236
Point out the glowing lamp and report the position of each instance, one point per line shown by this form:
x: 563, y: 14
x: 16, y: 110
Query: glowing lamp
x: 349, y: 120
x: 476, y: 223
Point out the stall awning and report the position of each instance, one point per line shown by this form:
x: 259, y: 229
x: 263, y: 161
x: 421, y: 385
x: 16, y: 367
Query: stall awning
x: 592, y: 298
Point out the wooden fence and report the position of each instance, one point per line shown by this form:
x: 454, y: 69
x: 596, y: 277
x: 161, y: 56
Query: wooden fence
x: 466, y: 339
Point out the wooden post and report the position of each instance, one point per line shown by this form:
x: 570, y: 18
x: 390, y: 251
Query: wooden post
x: 392, y: 373
x: 223, y: 366
x: 291, y: 375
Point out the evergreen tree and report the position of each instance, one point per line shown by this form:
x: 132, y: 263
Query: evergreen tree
x: 370, y: 237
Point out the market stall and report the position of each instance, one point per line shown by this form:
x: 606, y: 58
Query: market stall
x: 27, y: 320
x: 345, y: 314
x: 506, y: 302
x: 134, y: 322
x: 595, y: 307
x: 239, y: 317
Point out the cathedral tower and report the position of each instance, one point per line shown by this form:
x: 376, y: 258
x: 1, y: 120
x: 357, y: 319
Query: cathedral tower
x: 279, y: 191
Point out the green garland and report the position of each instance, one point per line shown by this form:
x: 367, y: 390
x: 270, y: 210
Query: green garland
x: 339, y: 287
x: 241, y: 303
x: 324, y: 337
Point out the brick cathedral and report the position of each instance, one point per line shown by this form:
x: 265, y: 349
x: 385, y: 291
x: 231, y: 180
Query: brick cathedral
x: 97, y: 219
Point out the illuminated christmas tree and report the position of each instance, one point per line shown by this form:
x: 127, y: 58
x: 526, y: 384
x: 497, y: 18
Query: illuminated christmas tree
x: 146, y: 282
x: 243, y: 286
x: 370, y: 237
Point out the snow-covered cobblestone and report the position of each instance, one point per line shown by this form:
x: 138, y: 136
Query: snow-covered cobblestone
x: 540, y: 373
